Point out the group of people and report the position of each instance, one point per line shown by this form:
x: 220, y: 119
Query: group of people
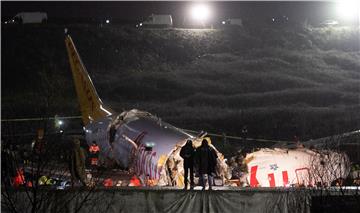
x: 204, y: 157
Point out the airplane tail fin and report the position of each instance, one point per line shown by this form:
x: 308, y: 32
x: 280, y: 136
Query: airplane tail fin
x: 91, y: 106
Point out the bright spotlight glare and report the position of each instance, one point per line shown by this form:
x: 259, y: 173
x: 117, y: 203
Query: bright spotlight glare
x: 348, y: 8
x: 200, y: 12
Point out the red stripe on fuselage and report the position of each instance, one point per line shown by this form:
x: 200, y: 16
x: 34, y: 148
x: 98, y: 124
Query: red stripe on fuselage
x: 271, y: 179
x: 140, y: 151
x: 153, y: 154
x: 285, y: 178
x: 139, y: 138
x: 139, y: 155
x: 253, y: 181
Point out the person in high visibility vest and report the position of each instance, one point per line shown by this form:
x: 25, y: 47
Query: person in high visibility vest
x: 135, y: 181
x: 94, y: 154
x: 108, y: 182
x: 19, y: 179
x: 44, y: 180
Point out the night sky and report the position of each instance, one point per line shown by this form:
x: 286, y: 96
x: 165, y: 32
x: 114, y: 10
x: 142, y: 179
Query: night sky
x: 314, y: 12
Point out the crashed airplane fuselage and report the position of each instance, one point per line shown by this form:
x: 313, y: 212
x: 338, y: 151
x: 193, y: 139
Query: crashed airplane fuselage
x: 141, y: 141
x: 133, y: 139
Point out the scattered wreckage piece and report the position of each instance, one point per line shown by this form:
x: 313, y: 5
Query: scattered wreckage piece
x: 294, y: 167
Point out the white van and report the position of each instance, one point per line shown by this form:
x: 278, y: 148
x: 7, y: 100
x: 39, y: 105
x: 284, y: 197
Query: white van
x: 155, y: 20
x: 233, y: 22
x: 28, y: 18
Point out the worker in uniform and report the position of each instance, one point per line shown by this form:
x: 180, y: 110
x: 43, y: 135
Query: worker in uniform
x: 39, y: 143
x: 94, y: 154
x: 187, y: 152
x: 135, y: 181
x: 19, y: 179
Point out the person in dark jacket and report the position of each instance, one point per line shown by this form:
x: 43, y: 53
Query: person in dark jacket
x: 77, y: 163
x: 8, y: 164
x: 207, y: 163
x: 187, y: 152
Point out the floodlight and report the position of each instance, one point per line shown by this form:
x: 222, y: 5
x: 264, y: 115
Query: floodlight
x: 107, y: 21
x: 200, y: 12
x: 348, y: 9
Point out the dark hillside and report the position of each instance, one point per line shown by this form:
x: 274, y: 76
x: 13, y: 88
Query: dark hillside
x: 278, y: 82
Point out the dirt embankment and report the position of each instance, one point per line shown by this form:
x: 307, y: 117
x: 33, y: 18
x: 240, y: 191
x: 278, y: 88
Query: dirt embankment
x: 278, y: 82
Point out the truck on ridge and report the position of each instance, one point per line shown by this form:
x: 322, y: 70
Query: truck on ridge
x: 157, y: 21
x: 28, y: 18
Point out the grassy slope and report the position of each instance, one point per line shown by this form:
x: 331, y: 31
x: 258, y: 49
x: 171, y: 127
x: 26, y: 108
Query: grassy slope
x: 279, y: 82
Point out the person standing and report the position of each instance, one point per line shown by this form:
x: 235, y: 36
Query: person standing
x: 39, y: 143
x: 207, y: 163
x: 187, y: 152
x: 8, y: 164
x: 244, y: 133
x: 77, y: 163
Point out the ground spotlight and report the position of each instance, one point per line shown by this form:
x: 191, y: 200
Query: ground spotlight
x: 200, y: 12
x: 348, y: 9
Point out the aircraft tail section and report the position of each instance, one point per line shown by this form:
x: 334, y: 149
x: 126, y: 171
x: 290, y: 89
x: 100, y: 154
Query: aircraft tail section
x: 91, y: 106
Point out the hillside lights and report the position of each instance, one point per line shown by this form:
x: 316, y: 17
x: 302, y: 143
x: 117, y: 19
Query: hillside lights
x: 348, y: 9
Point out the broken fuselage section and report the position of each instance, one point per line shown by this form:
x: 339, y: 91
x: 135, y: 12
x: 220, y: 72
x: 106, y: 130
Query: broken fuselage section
x: 135, y: 140
x: 143, y: 143
x: 294, y: 167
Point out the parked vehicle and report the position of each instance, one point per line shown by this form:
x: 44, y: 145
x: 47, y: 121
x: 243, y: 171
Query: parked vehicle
x: 233, y: 22
x: 157, y: 20
x: 28, y: 18
x: 329, y: 23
